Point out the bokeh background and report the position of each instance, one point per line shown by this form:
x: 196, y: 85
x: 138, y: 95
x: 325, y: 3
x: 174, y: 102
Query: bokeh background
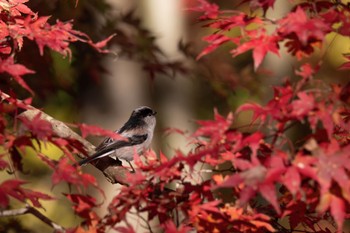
x: 153, y: 62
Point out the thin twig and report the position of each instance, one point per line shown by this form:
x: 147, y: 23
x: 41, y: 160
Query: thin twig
x: 146, y: 222
x: 30, y: 210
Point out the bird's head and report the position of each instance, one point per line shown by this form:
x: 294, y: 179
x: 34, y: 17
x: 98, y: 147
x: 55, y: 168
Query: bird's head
x: 142, y: 116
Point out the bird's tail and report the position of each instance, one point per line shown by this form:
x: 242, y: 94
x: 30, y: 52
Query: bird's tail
x: 86, y: 161
x: 94, y: 157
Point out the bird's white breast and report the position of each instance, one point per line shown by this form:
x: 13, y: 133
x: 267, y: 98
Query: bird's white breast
x: 127, y: 153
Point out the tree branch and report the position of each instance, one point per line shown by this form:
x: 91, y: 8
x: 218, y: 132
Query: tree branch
x: 30, y: 210
x: 111, y: 168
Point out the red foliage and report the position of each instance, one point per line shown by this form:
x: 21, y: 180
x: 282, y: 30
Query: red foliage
x: 302, y: 32
x: 267, y: 176
x: 18, y: 22
x: 12, y: 188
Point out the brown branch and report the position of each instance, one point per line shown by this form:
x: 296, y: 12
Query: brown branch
x: 111, y: 168
x: 30, y: 210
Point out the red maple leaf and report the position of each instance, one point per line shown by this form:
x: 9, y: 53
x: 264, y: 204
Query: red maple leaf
x: 214, y: 41
x: 238, y: 20
x: 336, y: 205
x: 12, y: 188
x: 101, y: 44
x: 214, y: 129
x: 261, y: 44
x: 16, y: 71
x: 302, y: 106
x: 323, y: 114
x: 302, y: 31
x: 39, y: 127
x: 16, y: 7
x: 170, y: 227
x: 209, y: 10
x: 332, y: 165
x: 256, y: 179
x: 329, y: 166
x: 66, y: 172
x: 306, y: 71
x: 278, y: 108
x: 83, y: 204
x: 292, y: 179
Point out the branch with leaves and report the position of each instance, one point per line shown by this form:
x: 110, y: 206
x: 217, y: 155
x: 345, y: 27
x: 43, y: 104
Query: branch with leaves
x: 111, y: 168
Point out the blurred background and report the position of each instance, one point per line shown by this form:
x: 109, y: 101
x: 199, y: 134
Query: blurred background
x: 153, y: 63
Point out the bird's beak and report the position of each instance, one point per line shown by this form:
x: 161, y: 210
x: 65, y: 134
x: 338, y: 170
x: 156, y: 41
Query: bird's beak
x: 154, y: 113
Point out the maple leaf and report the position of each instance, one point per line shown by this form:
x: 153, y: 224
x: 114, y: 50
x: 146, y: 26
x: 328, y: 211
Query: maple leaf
x: 253, y: 180
x: 245, y: 220
x: 16, y: 71
x: 323, y: 114
x: 259, y: 111
x: 66, y: 172
x: 261, y: 44
x: 215, y: 41
x: 302, y: 31
x: 278, y: 108
x: 83, y: 204
x: 99, y: 45
x: 336, y: 206
x: 300, y: 208
x: 305, y: 167
x: 331, y: 165
x: 292, y: 179
x: 56, y: 37
x: 239, y: 20
x: 209, y: 10
x: 13, y: 188
x: 170, y: 227
x: 16, y: 7
x: 215, y: 129
x: 253, y: 141
x: 39, y: 127
x: 306, y: 71
x: 303, y: 106
x: 304, y: 27
x: 260, y: 178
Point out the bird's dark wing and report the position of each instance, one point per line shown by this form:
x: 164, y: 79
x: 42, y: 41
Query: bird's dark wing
x: 109, y: 148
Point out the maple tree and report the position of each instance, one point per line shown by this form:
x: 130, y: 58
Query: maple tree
x: 256, y: 180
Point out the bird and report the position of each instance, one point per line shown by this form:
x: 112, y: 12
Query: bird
x: 138, y: 130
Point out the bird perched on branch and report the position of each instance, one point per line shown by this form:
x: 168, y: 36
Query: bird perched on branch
x: 138, y: 132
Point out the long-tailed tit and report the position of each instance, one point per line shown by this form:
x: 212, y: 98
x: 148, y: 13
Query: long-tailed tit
x: 138, y: 129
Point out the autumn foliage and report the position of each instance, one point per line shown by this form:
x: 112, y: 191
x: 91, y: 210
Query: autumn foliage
x: 252, y: 178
